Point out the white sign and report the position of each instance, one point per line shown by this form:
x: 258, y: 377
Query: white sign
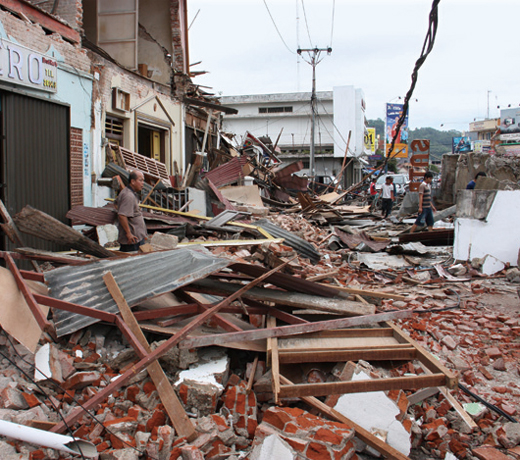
x: 510, y: 137
x: 22, y: 66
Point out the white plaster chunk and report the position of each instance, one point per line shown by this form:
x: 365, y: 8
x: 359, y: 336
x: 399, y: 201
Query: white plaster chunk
x: 206, y: 373
x: 491, y: 265
x: 375, y: 411
x: 42, y: 369
x: 107, y: 234
x: 273, y: 447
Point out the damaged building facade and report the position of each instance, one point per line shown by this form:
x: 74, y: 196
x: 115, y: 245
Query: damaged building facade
x: 339, y: 112
x: 80, y: 75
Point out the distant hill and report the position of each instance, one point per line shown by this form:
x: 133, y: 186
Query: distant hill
x: 440, y: 141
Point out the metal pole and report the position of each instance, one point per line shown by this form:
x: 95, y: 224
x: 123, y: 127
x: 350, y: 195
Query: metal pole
x: 314, y: 54
x: 313, y: 117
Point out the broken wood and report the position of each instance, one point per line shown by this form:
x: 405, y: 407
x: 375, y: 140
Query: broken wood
x: 172, y: 405
x: 272, y: 355
x: 291, y: 299
x: 75, y: 414
x: 297, y: 329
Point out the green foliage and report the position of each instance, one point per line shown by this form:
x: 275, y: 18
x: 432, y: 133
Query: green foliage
x: 440, y: 141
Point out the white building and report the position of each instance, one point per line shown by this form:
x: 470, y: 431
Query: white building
x: 338, y: 112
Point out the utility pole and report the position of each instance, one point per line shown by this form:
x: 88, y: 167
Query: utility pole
x: 314, y: 60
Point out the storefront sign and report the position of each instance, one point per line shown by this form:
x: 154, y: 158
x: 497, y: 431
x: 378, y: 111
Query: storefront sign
x: 419, y: 161
x: 22, y: 66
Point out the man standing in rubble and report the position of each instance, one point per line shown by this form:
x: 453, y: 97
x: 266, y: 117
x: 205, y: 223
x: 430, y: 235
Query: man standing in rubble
x: 131, y: 226
x: 426, y: 207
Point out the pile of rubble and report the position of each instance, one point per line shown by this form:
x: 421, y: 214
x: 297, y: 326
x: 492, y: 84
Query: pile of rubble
x: 307, y: 330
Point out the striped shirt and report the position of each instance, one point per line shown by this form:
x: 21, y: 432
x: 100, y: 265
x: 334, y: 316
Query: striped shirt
x: 426, y: 191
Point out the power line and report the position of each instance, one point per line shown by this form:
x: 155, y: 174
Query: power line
x: 306, y: 23
x: 276, y: 27
x: 332, y: 22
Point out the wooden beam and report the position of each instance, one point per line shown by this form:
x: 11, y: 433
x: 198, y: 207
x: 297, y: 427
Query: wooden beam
x: 296, y: 329
x: 426, y: 358
x: 291, y: 299
x: 366, y: 292
x: 272, y: 352
x: 364, y: 435
x: 172, y: 405
x: 333, y: 356
x: 45, y: 20
x: 361, y: 386
x: 40, y: 318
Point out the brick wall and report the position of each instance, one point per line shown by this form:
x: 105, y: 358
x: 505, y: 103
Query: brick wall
x: 71, y: 11
x: 76, y: 167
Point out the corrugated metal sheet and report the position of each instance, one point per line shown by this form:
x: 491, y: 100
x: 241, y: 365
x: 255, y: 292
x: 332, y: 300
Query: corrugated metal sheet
x: 36, y: 158
x: 303, y: 247
x: 227, y: 173
x: 139, y: 278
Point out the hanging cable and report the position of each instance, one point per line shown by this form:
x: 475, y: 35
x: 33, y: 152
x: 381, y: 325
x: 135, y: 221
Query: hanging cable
x: 306, y: 23
x: 426, y: 50
x: 276, y: 27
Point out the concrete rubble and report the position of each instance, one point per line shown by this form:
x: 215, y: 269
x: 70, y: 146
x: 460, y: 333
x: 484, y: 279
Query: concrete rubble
x: 284, y: 376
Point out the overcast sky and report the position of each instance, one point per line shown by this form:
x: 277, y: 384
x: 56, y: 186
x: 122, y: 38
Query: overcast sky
x: 375, y: 44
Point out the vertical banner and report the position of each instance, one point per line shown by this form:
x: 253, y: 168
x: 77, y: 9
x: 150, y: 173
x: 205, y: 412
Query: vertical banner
x: 393, y: 113
x: 370, y: 140
x: 419, y: 162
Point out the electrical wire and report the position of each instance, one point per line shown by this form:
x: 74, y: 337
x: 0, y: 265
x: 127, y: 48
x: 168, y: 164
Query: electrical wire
x: 306, y: 23
x: 487, y: 404
x: 31, y: 379
x: 276, y: 27
x: 332, y: 22
x: 426, y: 50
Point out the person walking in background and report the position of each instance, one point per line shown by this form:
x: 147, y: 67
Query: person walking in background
x: 472, y: 183
x: 426, y: 207
x: 388, y: 196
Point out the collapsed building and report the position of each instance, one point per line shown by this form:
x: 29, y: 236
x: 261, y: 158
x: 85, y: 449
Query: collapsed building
x: 260, y: 320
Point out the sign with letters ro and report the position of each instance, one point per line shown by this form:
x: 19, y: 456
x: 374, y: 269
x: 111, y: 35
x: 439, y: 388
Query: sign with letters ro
x: 22, y: 66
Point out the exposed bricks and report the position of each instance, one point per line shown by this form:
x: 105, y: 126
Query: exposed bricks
x: 309, y: 435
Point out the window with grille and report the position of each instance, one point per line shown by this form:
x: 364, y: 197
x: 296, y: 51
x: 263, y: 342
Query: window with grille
x: 275, y: 109
x: 114, y: 130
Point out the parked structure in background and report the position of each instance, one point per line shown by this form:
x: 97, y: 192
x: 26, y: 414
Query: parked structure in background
x: 339, y: 112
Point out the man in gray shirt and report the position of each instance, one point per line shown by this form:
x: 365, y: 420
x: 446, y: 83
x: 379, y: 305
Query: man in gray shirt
x: 131, y: 226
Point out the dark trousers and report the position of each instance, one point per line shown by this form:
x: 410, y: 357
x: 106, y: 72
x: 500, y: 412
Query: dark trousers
x: 387, y: 206
x: 131, y: 247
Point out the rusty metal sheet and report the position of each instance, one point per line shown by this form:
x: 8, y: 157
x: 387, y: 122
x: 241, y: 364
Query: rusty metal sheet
x: 140, y: 277
x: 354, y: 241
x: 227, y: 173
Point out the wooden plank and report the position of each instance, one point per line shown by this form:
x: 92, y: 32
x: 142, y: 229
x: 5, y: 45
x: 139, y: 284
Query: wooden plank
x: 272, y: 350
x: 252, y: 376
x: 361, y: 386
x: 426, y: 358
x: 364, y: 435
x: 172, y: 405
x: 296, y: 329
x: 347, y: 355
x: 291, y: 299
x: 76, y: 413
x: 39, y: 316
x: 366, y: 292
x: 353, y: 332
